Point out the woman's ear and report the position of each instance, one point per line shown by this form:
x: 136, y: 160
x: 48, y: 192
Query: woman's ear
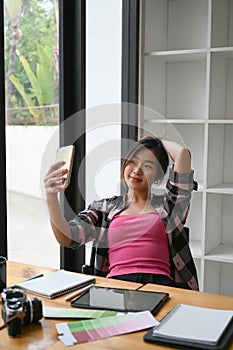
x: 158, y: 177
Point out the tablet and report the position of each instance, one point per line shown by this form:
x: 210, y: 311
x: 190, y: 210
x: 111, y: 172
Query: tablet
x: 121, y: 300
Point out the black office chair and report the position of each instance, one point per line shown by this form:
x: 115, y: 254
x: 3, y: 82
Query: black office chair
x: 89, y: 269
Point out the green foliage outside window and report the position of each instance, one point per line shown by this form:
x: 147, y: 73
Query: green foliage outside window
x: 31, y: 62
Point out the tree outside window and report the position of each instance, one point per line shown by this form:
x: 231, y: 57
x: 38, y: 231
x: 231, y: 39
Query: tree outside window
x: 31, y: 62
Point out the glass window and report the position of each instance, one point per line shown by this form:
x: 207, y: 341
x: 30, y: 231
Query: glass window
x: 31, y: 82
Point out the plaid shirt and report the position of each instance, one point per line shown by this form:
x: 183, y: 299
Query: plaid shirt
x: 92, y: 225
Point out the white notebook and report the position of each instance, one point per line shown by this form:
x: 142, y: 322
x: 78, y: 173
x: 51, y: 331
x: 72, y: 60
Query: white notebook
x: 193, y: 323
x: 55, y: 284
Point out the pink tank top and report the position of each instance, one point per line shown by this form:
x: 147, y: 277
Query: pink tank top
x: 138, y: 243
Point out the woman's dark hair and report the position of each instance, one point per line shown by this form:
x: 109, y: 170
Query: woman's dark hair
x: 155, y: 145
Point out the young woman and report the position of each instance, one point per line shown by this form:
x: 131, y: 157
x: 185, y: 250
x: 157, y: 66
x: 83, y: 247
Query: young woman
x: 139, y: 236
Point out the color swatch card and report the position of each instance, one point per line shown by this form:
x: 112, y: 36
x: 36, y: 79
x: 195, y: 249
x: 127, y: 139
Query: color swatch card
x: 61, y: 312
x: 78, y: 332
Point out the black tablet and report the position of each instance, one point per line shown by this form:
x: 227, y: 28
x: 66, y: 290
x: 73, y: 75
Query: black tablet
x: 120, y: 300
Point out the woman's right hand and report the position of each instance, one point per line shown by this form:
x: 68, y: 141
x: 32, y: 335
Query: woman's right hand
x: 55, y: 178
x: 53, y: 181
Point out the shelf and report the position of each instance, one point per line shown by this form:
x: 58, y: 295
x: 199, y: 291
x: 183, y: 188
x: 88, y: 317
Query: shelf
x: 223, y: 253
x: 177, y: 121
x: 180, y: 89
x: 187, y: 82
x: 221, y: 85
x: 219, y: 168
x: 223, y: 188
x: 220, y: 121
x: 222, y: 23
x: 218, y: 277
x: 179, y: 55
x: 171, y: 29
x: 200, y: 120
x: 190, y: 55
x: 224, y: 52
x: 219, y: 223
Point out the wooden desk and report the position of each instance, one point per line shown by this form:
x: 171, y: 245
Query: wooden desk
x: 44, y: 335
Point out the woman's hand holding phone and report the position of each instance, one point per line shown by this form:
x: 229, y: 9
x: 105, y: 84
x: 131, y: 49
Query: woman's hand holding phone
x: 58, y: 177
x: 55, y: 178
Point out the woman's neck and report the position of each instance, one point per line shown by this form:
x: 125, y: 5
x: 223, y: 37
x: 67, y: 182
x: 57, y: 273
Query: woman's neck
x: 138, y: 197
x: 138, y: 203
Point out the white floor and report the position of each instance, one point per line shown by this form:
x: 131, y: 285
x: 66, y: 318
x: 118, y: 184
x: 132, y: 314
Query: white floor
x: 30, y: 238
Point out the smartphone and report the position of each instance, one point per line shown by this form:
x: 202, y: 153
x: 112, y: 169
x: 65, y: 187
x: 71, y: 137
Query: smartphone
x: 66, y: 154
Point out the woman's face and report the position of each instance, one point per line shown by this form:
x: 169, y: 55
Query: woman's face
x: 140, y: 172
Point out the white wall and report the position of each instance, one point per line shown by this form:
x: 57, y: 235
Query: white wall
x: 25, y: 149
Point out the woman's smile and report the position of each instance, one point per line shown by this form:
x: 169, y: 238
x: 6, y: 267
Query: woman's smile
x: 134, y: 179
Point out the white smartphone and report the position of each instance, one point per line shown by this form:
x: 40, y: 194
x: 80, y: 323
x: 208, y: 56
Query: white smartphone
x: 66, y: 154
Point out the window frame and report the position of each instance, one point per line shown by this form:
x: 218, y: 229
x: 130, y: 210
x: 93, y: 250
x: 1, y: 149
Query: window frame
x: 72, y: 95
x: 3, y: 207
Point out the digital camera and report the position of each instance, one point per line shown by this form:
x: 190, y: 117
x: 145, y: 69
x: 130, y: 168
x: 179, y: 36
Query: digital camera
x: 15, y: 302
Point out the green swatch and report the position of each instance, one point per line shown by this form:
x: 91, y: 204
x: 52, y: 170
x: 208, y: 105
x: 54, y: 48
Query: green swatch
x: 59, y: 312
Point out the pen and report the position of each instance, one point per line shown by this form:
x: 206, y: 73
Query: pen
x: 33, y: 277
x: 29, y: 279
x: 80, y: 291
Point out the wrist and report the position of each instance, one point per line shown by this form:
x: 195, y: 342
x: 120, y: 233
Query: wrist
x: 52, y: 198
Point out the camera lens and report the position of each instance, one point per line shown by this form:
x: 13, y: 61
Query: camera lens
x: 33, y: 310
x: 15, y: 328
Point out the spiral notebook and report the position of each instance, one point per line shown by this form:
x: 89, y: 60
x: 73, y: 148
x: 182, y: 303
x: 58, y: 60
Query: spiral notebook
x: 56, y: 283
x: 194, y: 327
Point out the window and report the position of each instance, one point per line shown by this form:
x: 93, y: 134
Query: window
x: 32, y: 116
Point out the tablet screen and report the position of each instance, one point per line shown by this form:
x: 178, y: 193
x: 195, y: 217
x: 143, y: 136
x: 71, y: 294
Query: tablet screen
x: 120, y: 299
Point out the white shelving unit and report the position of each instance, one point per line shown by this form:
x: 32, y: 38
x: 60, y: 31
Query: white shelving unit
x: 186, y: 67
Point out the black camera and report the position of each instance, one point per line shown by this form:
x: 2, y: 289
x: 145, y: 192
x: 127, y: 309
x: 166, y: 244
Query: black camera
x: 18, y: 310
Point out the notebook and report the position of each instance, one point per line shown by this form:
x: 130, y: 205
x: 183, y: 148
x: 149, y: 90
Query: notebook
x: 194, y: 327
x: 56, y: 283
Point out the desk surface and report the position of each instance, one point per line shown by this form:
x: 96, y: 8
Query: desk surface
x: 44, y: 335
